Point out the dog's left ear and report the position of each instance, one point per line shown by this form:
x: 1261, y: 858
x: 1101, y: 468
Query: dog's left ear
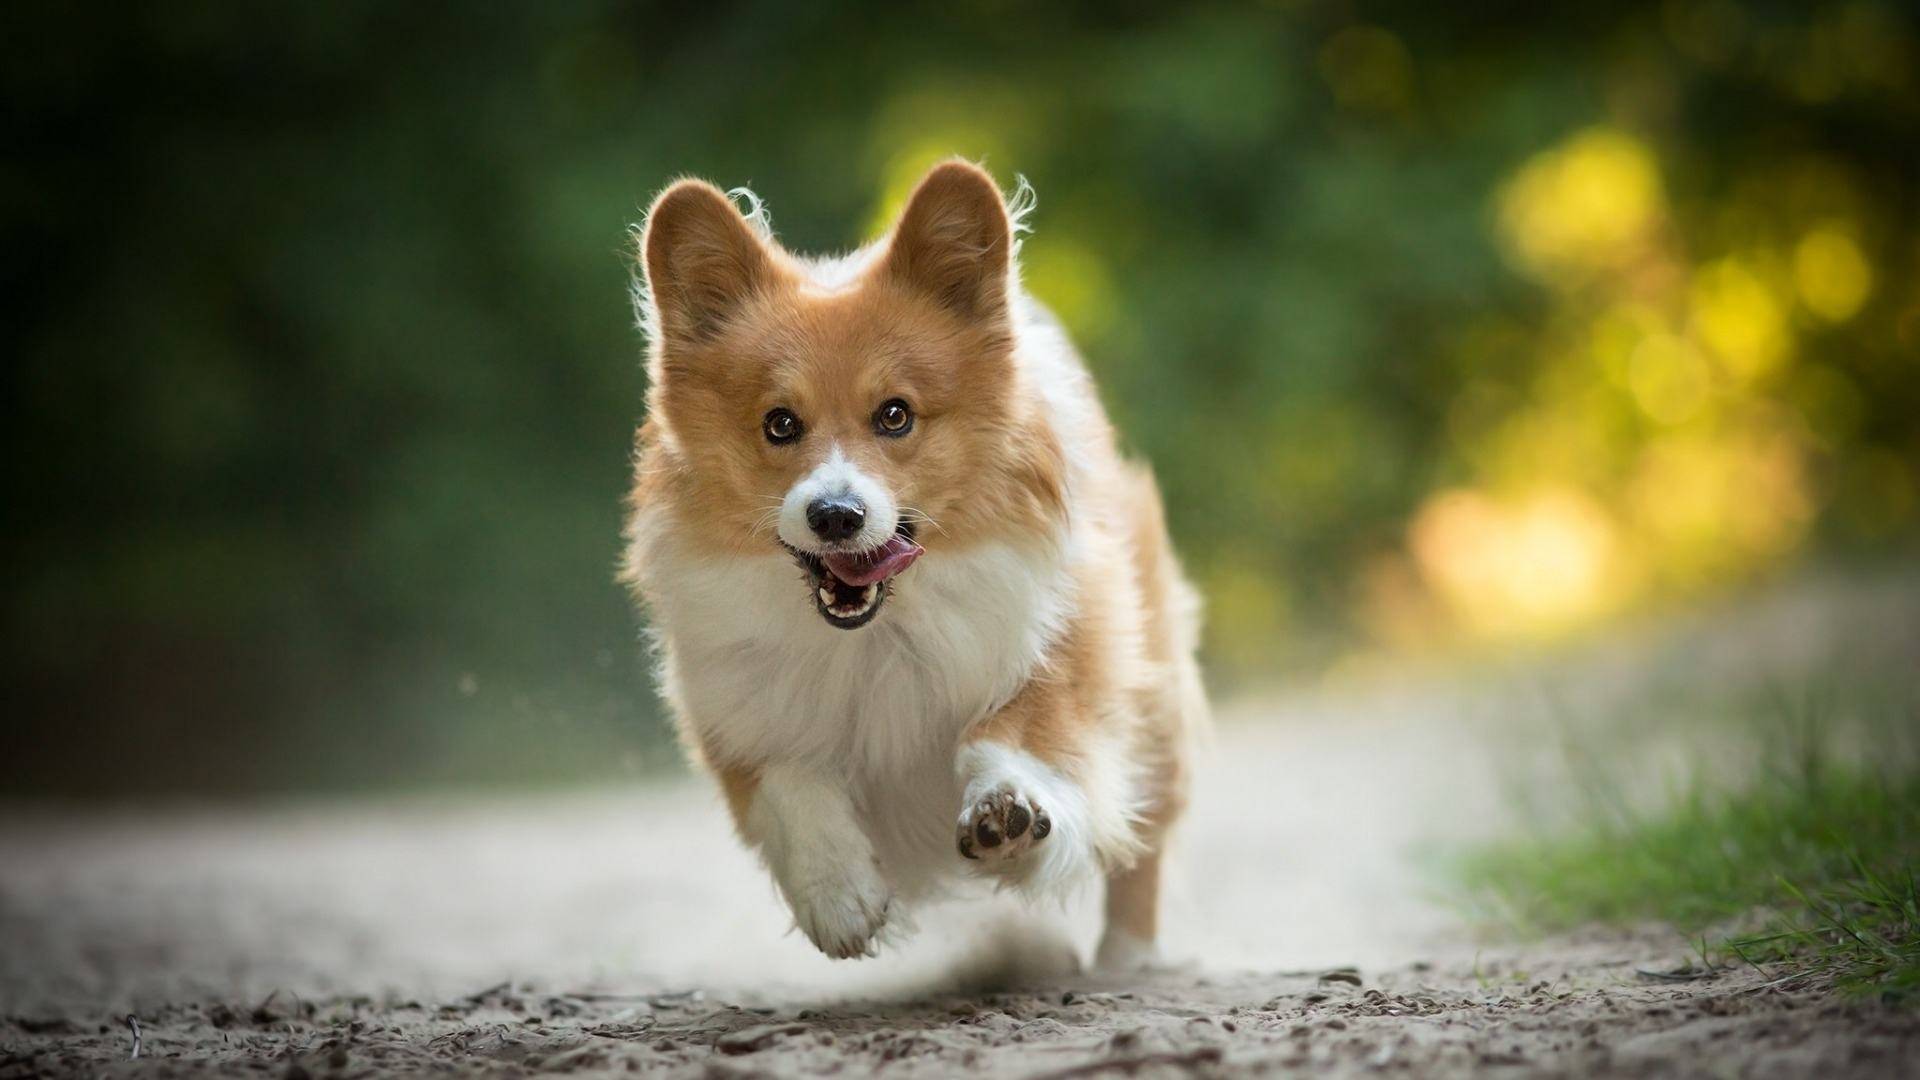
x: 954, y: 241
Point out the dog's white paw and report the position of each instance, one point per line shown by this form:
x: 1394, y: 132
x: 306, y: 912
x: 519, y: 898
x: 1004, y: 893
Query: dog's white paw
x: 841, y: 908
x: 1022, y: 822
x: 1001, y: 824
x: 1122, y: 953
x: 821, y: 859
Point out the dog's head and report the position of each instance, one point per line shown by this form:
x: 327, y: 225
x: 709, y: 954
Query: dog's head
x: 858, y: 412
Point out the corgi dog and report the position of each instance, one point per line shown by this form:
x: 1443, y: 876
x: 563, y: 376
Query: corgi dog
x: 910, y: 605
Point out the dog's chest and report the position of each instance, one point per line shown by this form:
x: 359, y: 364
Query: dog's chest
x: 752, y: 666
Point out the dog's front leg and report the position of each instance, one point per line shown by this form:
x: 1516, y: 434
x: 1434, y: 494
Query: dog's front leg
x: 1043, y: 800
x: 807, y: 830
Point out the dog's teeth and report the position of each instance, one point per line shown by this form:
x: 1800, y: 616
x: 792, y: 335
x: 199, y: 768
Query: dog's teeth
x: 864, y: 601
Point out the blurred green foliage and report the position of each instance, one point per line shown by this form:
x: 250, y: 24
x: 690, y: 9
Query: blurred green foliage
x: 322, y: 378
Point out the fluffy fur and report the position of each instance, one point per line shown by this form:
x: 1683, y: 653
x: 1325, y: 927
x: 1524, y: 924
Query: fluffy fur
x: 1020, y: 705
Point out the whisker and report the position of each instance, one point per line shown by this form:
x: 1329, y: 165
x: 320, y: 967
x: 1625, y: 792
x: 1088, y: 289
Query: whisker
x: 919, y: 515
x: 767, y: 519
x: 769, y: 516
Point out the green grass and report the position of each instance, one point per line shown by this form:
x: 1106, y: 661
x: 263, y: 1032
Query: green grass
x: 1808, y: 867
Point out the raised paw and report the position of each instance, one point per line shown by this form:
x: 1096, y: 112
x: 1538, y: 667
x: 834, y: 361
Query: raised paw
x: 1001, y: 826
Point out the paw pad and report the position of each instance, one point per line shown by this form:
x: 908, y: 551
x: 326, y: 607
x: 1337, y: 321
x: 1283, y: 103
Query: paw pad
x: 1001, y: 825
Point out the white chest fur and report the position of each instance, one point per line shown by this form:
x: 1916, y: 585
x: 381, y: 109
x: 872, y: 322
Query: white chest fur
x: 751, y: 665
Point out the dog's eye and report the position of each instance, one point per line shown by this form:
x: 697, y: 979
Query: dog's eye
x: 893, y: 418
x: 781, y: 426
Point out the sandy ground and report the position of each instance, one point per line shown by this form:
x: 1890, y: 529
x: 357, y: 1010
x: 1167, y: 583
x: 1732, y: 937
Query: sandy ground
x: 626, y: 930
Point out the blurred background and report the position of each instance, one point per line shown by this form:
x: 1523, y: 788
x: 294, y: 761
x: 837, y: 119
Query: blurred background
x: 1447, y: 336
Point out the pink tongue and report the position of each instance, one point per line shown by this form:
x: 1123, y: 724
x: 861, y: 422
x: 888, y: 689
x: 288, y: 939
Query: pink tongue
x: 879, y: 564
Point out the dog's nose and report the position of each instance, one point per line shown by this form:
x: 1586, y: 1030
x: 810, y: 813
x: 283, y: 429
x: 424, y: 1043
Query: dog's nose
x: 836, y: 518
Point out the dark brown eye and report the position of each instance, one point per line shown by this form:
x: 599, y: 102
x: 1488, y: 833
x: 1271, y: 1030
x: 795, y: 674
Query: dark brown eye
x: 781, y: 426
x: 893, y: 418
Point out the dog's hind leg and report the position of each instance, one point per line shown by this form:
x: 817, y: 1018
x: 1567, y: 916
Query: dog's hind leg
x: 1173, y: 714
x: 1131, y: 940
x: 1133, y: 917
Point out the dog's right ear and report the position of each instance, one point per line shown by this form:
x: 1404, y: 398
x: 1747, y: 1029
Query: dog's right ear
x: 702, y: 260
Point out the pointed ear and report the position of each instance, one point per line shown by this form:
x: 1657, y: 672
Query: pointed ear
x: 954, y: 241
x: 702, y: 260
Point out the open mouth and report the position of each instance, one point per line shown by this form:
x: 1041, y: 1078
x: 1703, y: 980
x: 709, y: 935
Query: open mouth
x: 849, y: 586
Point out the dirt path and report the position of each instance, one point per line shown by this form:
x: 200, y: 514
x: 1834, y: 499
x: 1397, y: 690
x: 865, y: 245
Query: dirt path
x: 1584, y: 1013
x: 610, y: 931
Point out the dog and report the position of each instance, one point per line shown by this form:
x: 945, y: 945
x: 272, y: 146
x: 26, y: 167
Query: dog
x: 909, y: 604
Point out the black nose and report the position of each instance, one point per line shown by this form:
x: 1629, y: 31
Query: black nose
x: 836, y: 518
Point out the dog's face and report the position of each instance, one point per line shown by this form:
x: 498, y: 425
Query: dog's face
x: 856, y: 424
